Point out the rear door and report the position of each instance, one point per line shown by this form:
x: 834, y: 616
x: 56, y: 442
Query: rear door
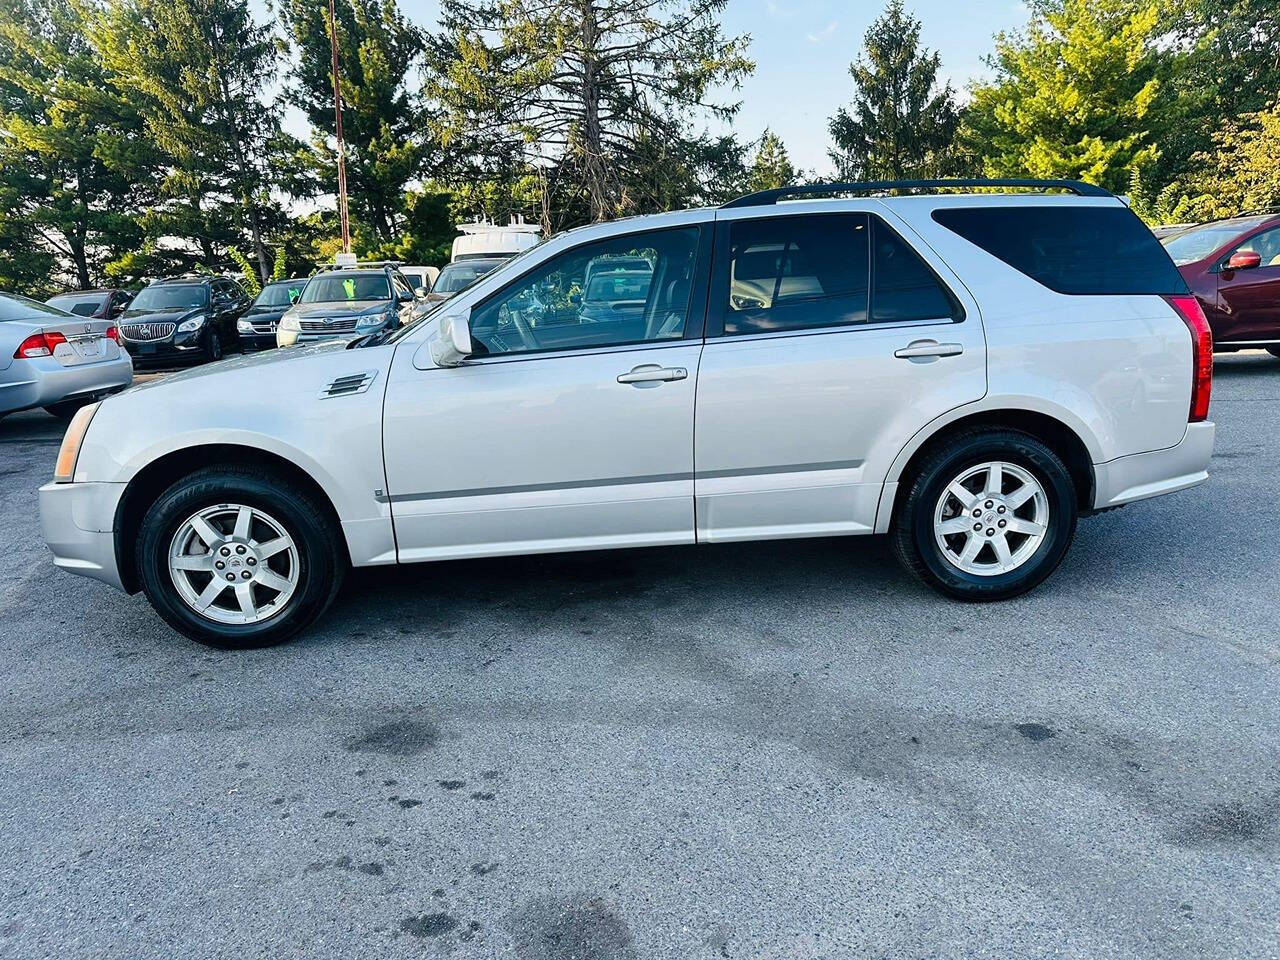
x: 831, y: 341
x: 1250, y: 299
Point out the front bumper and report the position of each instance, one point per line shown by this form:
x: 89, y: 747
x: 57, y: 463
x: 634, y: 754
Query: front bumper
x: 253, y: 342
x: 175, y: 348
x: 42, y: 381
x: 1144, y: 475
x: 77, y: 521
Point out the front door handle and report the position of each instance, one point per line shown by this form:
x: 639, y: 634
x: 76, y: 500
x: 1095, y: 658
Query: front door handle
x: 652, y: 373
x: 927, y: 351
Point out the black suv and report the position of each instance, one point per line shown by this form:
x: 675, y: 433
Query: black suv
x: 186, y: 319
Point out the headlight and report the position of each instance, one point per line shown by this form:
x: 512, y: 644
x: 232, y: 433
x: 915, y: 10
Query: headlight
x: 65, y: 469
x: 289, y: 323
x: 372, y: 320
x: 186, y: 326
x: 244, y: 326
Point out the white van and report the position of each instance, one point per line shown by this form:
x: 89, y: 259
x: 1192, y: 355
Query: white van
x: 484, y: 240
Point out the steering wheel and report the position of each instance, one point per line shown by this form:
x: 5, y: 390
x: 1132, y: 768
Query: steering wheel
x: 527, y: 336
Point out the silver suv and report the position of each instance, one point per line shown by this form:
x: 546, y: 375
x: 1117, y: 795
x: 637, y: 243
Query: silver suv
x: 966, y: 373
x: 349, y: 301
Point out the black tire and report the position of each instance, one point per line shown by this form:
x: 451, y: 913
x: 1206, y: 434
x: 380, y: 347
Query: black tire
x: 213, y: 345
x: 66, y: 409
x: 321, y: 555
x: 912, y: 532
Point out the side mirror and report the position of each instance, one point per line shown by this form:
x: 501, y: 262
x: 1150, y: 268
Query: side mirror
x: 452, y: 342
x: 1244, y: 260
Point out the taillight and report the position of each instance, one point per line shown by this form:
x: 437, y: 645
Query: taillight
x: 38, y: 345
x: 1201, y: 354
x: 113, y: 333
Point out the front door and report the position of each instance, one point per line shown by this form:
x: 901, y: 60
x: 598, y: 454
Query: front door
x: 571, y: 427
x: 830, y: 343
x: 1250, y: 299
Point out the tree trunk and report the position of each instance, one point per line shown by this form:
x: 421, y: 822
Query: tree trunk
x: 595, y: 171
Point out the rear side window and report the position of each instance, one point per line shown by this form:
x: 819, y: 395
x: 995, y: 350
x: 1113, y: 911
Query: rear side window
x: 903, y: 288
x: 1074, y: 250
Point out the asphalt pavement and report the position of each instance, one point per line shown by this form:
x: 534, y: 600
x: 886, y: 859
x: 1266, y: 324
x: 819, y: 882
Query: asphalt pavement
x: 775, y: 750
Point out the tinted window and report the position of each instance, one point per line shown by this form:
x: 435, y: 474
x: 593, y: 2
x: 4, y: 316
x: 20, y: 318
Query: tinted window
x: 80, y: 304
x: 546, y: 309
x: 458, y: 276
x: 341, y: 287
x: 1076, y: 249
x: 788, y: 273
x: 276, y: 295
x: 903, y: 286
x: 13, y: 307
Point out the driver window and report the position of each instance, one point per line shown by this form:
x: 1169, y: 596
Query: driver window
x: 631, y: 289
x: 1266, y: 245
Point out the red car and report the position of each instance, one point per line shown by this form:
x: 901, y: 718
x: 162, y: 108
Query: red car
x: 1233, y: 267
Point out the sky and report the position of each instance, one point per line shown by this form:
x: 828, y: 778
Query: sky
x: 802, y: 50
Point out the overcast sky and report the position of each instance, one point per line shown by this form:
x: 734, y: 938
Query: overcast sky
x: 802, y: 50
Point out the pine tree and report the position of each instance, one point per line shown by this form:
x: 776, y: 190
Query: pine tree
x: 68, y: 151
x: 901, y: 123
x: 771, y: 167
x: 600, y: 97
x: 199, y: 72
x: 383, y: 124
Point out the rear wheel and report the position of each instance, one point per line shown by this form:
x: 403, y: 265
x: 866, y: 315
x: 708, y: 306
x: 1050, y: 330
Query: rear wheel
x: 986, y: 516
x: 229, y: 560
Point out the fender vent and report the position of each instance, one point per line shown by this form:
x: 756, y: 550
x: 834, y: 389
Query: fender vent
x: 349, y: 383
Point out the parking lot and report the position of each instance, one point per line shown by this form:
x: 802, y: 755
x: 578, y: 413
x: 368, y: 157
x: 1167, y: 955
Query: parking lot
x: 771, y: 750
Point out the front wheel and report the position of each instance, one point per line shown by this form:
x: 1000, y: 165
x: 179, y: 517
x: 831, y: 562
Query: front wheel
x: 213, y: 345
x: 228, y: 559
x: 987, y: 516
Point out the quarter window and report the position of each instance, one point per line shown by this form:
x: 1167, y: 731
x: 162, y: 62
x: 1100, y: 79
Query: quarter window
x: 903, y: 286
x: 630, y: 289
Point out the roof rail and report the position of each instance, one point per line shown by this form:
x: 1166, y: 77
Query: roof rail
x: 765, y: 198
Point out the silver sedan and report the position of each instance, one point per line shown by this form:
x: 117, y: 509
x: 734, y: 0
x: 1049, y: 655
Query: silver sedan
x: 54, y: 360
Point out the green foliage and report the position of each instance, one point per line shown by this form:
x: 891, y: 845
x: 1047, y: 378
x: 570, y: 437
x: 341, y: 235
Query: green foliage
x: 771, y: 167
x: 597, y: 97
x: 1078, y: 94
x: 249, y: 277
x: 1161, y: 207
x: 1242, y: 173
x: 901, y: 123
x: 378, y: 50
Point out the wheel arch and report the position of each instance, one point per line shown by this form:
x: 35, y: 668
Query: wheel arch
x: 1062, y: 438
x: 161, y: 473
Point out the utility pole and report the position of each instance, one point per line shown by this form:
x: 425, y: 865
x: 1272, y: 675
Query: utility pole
x: 342, y: 145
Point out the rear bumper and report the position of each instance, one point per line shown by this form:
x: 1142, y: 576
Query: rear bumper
x: 1144, y: 475
x: 77, y: 521
x: 42, y: 381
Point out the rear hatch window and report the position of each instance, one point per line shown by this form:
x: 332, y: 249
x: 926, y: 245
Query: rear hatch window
x: 1075, y: 250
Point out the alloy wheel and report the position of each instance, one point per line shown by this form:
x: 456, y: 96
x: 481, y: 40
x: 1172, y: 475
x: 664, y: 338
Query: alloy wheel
x: 991, y: 519
x: 234, y: 564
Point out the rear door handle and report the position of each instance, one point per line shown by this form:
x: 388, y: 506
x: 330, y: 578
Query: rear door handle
x: 926, y: 351
x: 652, y: 373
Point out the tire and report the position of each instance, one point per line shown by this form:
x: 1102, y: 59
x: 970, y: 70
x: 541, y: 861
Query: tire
x: 66, y: 409
x: 314, y: 561
x: 213, y: 345
x: 929, y: 505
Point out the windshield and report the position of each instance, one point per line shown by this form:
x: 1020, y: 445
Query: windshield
x: 183, y: 296
x: 278, y: 295
x: 343, y: 287
x: 82, y: 305
x: 502, y: 269
x: 1199, y: 242
x: 459, y: 276
x: 20, y: 308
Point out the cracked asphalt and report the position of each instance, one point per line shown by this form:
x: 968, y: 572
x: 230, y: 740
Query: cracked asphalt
x: 779, y: 750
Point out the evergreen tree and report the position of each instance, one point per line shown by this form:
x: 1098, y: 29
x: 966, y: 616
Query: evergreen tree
x: 199, y: 71
x: 771, y: 167
x: 69, y: 150
x: 901, y: 123
x: 1081, y: 93
x: 600, y: 97
x: 383, y: 125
